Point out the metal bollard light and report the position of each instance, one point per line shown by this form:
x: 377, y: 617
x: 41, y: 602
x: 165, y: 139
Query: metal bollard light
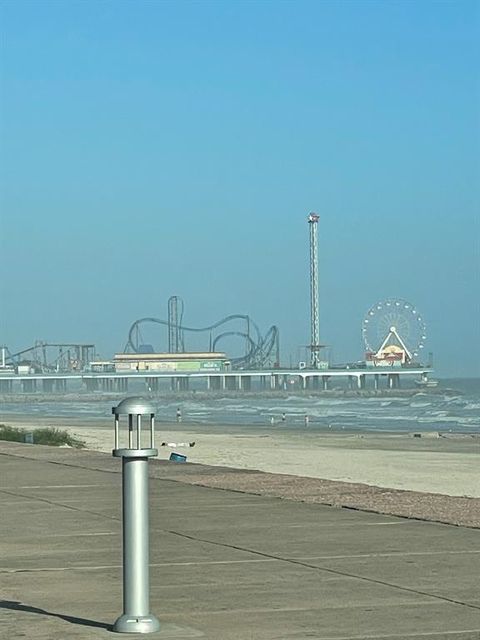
x: 136, y: 617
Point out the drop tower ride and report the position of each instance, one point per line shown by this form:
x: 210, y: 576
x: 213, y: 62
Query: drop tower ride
x: 315, y: 346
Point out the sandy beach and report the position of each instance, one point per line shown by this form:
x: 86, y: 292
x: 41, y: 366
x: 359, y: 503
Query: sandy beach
x: 431, y: 463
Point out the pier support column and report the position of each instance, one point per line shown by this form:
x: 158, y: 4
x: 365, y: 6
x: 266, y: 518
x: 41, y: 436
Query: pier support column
x: 302, y: 382
x: 325, y: 383
x: 60, y: 385
x: 361, y: 382
x: 231, y: 383
x: 91, y: 384
x: 29, y: 386
x: 393, y: 380
x: 375, y: 381
x: 246, y: 383
x: 47, y: 386
x: 6, y: 386
x: 179, y: 384
x: 215, y: 382
x: 152, y: 383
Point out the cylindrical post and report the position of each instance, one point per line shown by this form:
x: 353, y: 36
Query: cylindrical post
x: 135, y: 537
x: 136, y: 616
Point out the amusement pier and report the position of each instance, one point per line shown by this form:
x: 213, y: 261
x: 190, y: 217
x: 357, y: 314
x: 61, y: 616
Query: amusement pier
x: 393, y: 332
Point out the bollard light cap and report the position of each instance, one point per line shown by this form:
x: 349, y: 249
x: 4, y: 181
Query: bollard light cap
x: 136, y: 405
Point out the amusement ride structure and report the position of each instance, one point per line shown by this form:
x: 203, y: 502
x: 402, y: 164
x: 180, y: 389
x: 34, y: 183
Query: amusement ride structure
x: 394, y: 334
x: 50, y: 356
x: 315, y: 345
x: 260, y: 350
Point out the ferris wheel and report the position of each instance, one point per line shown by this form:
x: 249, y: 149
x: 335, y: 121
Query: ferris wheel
x: 394, y: 317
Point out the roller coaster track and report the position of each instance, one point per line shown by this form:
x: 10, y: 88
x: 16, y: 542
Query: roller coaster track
x: 260, y: 351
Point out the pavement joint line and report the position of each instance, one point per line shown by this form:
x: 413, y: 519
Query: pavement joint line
x: 337, y: 572
x: 325, y: 525
x: 7, y: 503
x: 153, y: 564
x: 59, y: 504
x: 81, y: 535
x: 418, y: 634
x: 212, y: 506
x: 59, y: 463
x: 220, y: 612
x: 55, y: 486
x: 383, y: 524
x: 393, y: 554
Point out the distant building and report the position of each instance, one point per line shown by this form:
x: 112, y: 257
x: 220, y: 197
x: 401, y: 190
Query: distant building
x: 102, y: 366
x: 172, y: 362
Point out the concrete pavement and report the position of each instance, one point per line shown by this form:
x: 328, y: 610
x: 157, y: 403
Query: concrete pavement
x: 225, y: 565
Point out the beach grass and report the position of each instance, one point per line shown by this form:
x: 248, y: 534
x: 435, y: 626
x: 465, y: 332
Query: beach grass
x: 48, y: 435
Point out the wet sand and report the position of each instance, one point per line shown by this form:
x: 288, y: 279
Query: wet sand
x: 447, y: 465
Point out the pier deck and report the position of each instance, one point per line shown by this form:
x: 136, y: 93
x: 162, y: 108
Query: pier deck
x: 226, y: 380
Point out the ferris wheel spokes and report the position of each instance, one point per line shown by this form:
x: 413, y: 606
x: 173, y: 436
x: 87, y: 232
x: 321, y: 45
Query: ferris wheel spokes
x: 393, y: 332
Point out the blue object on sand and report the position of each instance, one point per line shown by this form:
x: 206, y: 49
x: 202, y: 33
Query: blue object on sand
x: 177, y: 457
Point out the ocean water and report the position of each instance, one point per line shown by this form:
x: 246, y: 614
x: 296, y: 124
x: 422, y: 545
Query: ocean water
x: 453, y: 407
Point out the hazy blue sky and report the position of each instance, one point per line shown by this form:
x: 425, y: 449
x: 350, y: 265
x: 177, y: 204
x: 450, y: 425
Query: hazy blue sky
x: 160, y: 148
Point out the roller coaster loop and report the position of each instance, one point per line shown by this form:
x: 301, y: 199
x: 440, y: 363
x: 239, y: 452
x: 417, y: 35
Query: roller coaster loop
x: 260, y: 349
